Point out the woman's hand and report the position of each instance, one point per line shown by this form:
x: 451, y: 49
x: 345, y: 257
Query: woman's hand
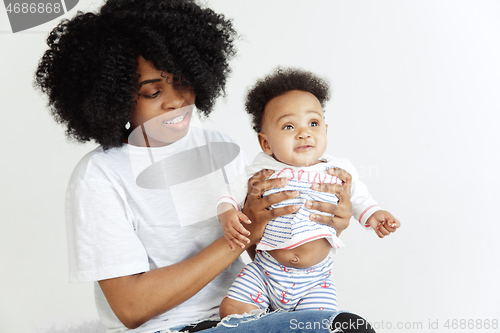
x: 256, y: 207
x: 342, y: 210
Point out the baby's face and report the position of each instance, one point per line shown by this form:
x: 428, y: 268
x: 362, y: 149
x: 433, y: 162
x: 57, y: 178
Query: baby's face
x: 294, y: 129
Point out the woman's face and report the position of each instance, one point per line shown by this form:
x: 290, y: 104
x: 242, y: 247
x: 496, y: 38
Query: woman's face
x: 163, y: 108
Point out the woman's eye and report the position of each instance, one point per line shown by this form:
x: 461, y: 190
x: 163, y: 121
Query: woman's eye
x: 153, y: 95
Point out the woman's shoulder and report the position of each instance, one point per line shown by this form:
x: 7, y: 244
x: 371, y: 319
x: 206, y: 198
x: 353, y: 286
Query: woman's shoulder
x: 97, y: 164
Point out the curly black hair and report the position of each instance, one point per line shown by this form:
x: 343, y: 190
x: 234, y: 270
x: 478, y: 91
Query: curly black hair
x: 90, y: 73
x: 280, y: 81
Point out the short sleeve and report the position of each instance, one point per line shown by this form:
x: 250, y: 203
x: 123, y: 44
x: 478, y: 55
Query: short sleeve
x: 102, y: 242
x: 235, y: 193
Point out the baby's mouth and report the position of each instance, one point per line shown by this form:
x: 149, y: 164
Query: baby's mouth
x: 304, y: 148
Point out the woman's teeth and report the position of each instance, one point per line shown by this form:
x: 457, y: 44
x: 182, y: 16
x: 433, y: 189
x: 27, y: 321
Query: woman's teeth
x: 175, y: 120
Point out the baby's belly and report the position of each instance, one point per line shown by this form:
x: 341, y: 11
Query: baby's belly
x: 303, y: 256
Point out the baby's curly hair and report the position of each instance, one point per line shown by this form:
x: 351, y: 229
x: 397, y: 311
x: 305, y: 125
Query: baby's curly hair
x: 280, y: 81
x: 90, y: 73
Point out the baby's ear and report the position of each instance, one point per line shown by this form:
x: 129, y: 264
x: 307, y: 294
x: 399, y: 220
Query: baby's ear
x: 264, y: 144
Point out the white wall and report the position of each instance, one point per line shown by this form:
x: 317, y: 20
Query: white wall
x: 415, y: 107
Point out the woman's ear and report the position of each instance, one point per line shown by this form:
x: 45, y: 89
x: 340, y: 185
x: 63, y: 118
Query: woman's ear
x: 264, y: 144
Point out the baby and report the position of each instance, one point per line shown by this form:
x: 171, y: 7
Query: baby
x: 292, y: 266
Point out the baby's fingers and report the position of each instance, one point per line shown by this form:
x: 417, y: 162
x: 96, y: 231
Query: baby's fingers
x: 237, y: 235
x: 382, y: 228
x: 240, y: 240
x: 241, y: 229
x: 236, y: 239
x: 229, y: 241
x: 378, y: 232
x: 243, y: 218
x: 392, y: 224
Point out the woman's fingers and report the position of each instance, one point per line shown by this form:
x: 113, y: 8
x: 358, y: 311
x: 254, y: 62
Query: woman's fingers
x: 343, y: 175
x: 281, y: 211
x: 344, y: 192
x: 257, y: 207
x: 324, y: 207
x: 258, y: 188
x: 336, y: 189
x: 341, y: 214
x: 323, y: 219
x: 343, y: 211
x: 255, y: 181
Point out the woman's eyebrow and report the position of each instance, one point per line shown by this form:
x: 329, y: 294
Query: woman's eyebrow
x: 148, y: 81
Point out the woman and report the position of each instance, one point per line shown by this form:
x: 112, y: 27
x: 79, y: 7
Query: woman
x: 141, y: 207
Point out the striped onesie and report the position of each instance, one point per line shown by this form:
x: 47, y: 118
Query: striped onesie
x: 267, y: 283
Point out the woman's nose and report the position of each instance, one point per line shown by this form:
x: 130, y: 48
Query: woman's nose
x: 173, y: 98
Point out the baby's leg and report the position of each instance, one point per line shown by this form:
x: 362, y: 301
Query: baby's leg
x: 320, y: 297
x: 247, y: 293
x: 231, y: 306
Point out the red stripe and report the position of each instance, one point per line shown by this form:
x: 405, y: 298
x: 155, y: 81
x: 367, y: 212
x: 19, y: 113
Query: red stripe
x: 307, y: 240
x: 362, y: 214
x: 233, y: 201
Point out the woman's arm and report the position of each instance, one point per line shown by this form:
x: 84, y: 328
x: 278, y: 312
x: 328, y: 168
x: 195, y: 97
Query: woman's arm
x: 342, y: 210
x: 137, y: 298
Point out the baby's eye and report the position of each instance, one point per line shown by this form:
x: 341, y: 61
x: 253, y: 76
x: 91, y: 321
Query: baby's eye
x: 288, y: 127
x: 314, y: 123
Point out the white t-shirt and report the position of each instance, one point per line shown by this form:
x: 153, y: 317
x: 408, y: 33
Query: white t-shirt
x: 132, y: 209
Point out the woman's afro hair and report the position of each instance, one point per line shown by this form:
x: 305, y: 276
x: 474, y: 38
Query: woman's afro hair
x: 280, y: 81
x: 89, y: 71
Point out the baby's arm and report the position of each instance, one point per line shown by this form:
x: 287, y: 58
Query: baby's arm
x: 230, y: 219
x: 367, y: 211
x: 383, y: 223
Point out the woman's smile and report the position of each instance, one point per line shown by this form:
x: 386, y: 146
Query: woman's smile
x: 177, y: 120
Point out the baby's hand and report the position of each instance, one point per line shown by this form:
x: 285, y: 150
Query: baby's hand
x: 383, y: 223
x: 230, y: 220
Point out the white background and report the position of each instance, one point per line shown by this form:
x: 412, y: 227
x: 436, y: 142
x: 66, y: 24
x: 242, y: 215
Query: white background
x: 415, y: 107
